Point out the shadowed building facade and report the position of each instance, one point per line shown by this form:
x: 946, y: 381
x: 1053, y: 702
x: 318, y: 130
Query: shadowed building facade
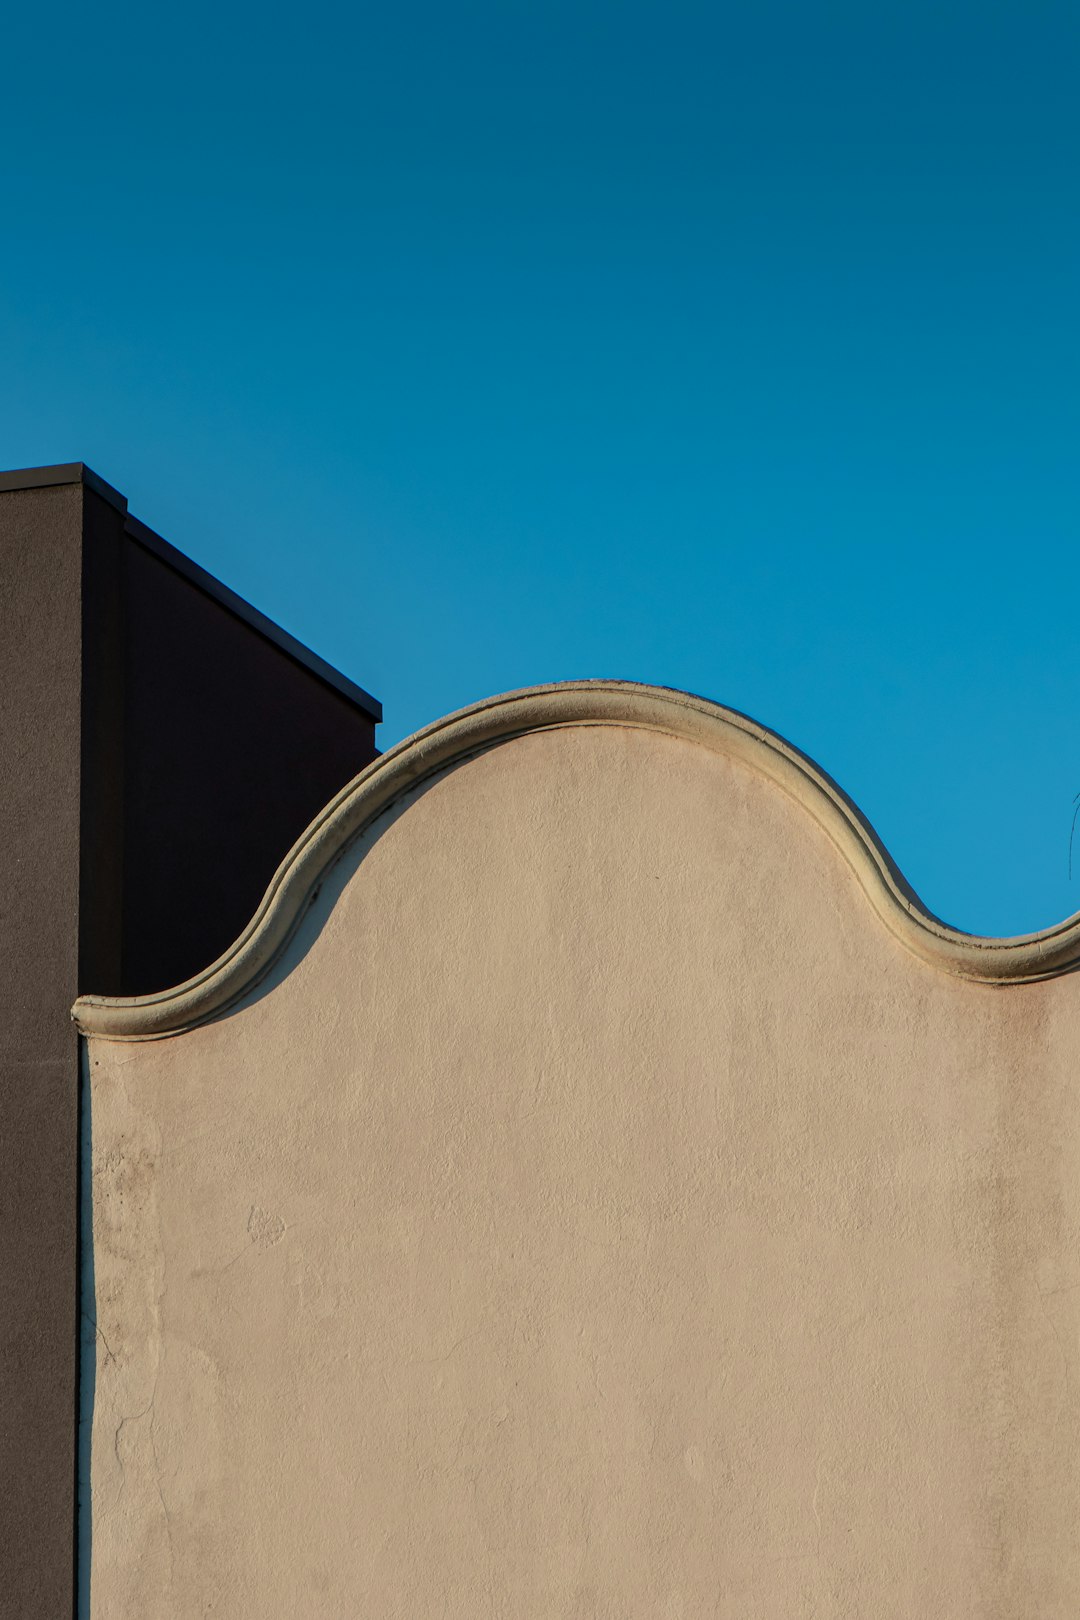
x: 161, y: 746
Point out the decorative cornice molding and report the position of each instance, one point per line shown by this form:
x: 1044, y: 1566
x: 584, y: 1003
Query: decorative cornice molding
x: 582, y: 703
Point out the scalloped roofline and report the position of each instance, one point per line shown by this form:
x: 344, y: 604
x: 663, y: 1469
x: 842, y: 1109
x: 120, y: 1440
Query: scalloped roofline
x: 1017, y: 960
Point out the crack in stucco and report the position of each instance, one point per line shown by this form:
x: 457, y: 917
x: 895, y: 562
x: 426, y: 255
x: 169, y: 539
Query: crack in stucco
x: 132, y: 1417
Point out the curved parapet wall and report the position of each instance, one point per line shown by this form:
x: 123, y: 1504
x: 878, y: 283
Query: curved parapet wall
x: 568, y: 1199
x: 612, y: 703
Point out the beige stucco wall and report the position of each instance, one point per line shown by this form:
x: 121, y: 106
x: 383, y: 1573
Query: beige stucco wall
x: 597, y: 1212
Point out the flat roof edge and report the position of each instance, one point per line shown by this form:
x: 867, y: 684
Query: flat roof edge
x: 67, y: 472
x: 198, y: 576
x: 77, y: 472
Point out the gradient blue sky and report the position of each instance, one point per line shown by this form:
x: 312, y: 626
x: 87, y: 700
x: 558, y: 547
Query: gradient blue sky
x: 732, y: 348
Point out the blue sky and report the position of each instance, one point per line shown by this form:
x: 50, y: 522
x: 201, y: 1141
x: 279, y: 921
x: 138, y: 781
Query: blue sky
x: 731, y: 348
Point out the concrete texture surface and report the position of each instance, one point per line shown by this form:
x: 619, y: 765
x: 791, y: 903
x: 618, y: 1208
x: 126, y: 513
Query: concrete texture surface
x: 593, y: 1211
x: 40, y: 662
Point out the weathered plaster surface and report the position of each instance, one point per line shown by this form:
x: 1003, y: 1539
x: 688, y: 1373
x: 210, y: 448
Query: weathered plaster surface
x: 596, y: 1212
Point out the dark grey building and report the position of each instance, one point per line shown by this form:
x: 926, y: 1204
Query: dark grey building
x: 162, y: 745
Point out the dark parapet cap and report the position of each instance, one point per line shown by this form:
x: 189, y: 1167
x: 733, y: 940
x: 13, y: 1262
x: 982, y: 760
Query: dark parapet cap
x: 68, y: 472
x: 76, y: 472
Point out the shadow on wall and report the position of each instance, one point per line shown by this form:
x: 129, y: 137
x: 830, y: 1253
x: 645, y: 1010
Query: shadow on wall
x: 328, y: 888
x: 88, y: 1338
